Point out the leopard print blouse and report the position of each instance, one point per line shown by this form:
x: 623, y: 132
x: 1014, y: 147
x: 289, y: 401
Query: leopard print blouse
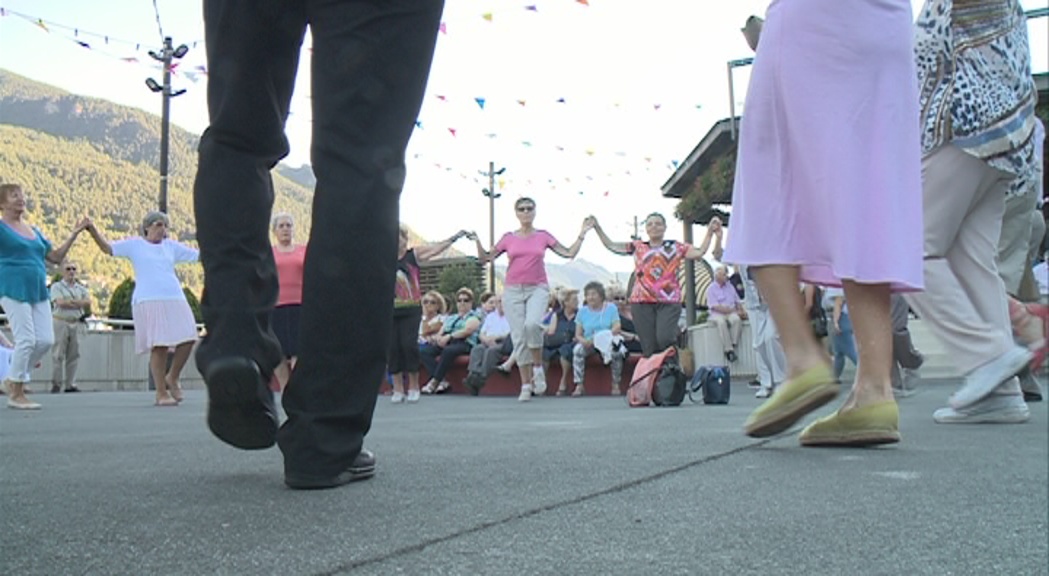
x: 977, y: 92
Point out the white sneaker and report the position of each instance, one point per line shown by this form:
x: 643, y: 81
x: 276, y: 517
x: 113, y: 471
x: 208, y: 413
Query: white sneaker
x: 994, y: 409
x: 763, y: 392
x: 539, y: 388
x: 397, y: 398
x: 413, y: 396
x: 980, y: 382
x: 26, y: 405
x: 526, y: 393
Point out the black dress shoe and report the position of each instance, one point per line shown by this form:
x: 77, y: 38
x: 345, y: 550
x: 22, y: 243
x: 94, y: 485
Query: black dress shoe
x: 241, y: 411
x: 731, y: 355
x: 362, y: 468
x: 1032, y: 396
x: 71, y: 390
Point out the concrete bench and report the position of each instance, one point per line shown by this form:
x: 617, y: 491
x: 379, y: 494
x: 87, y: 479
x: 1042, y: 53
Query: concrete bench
x: 706, y: 346
x: 598, y: 380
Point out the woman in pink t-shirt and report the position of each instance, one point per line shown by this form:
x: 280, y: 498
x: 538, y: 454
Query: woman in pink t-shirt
x: 525, y: 291
x: 290, y: 259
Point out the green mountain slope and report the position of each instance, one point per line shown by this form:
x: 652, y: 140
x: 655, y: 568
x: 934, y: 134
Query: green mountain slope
x: 78, y: 156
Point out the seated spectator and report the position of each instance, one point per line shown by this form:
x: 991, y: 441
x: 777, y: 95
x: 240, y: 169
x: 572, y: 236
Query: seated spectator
x: 435, y: 309
x: 493, y: 345
x: 560, y: 337
x: 487, y: 304
x: 725, y: 312
x: 597, y: 332
x: 626, y: 320
x: 457, y: 337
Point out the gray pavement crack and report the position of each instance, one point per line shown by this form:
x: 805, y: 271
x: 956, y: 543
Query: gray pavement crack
x: 420, y: 546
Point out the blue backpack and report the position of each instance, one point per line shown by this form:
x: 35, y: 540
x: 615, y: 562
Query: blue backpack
x: 715, y: 382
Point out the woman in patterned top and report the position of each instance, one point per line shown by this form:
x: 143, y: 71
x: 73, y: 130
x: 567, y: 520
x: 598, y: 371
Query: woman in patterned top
x: 655, y: 301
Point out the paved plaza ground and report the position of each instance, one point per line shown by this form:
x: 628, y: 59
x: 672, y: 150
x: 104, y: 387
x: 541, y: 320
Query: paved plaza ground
x: 104, y: 483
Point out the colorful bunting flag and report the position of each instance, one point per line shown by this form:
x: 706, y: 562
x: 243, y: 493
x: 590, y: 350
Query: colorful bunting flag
x: 487, y: 16
x: 443, y: 28
x: 480, y: 102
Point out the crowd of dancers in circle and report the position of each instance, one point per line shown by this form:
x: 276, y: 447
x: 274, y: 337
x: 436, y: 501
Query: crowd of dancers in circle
x: 882, y: 156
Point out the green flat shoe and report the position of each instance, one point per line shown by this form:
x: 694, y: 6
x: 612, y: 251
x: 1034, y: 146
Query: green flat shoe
x: 864, y: 426
x: 792, y: 401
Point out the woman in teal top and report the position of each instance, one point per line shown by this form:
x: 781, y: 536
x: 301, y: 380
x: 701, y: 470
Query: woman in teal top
x: 24, y: 252
x: 458, y: 336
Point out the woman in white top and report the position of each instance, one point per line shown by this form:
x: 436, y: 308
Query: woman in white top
x: 162, y: 316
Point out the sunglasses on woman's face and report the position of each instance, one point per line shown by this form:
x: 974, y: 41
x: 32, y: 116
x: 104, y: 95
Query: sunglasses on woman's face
x: 463, y: 300
x: 428, y: 301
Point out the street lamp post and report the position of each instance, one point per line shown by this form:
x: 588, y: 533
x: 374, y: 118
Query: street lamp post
x: 732, y: 64
x: 165, y: 56
x: 492, y: 195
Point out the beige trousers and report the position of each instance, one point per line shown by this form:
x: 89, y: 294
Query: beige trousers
x: 524, y: 306
x: 729, y: 328
x: 65, y: 353
x: 964, y: 298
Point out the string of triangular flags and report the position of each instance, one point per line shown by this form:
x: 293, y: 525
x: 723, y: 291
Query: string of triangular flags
x: 130, y: 51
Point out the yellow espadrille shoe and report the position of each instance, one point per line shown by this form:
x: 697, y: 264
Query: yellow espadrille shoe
x: 791, y: 401
x: 864, y: 426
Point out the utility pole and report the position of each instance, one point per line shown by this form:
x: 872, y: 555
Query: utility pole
x: 492, y: 195
x: 636, y: 235
x: 165, y: 57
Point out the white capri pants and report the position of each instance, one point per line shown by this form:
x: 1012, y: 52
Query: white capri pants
x: 33, y: 332
x: 524, y: 306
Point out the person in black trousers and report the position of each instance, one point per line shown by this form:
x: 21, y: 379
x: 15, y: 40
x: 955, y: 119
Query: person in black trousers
x: 371, y: 60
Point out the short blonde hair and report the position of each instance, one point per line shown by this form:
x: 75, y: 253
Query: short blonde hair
x: 6, y: 189
x: 281, y: 216
x: 442, y: 304
x: 464, y: 290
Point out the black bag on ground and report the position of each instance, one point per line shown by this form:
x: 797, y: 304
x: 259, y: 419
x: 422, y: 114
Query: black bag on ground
x: 669, y: 387
x: 715, y: 382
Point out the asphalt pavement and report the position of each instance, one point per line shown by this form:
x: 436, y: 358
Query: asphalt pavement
x: 105, y: 483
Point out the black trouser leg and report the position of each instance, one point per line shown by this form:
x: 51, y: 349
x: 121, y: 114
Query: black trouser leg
x: 253, y: 51
x: 369, y: 71
x: 452, y: 351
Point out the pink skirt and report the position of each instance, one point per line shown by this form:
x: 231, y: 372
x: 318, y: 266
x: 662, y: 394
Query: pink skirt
x: 163, y: 323
x: 828, y: 175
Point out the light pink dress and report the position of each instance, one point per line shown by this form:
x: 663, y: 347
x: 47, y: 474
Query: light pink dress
x: 828, y: 174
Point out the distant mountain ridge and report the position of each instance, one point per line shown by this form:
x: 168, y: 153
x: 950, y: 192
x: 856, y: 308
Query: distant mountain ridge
x: 77, y: 156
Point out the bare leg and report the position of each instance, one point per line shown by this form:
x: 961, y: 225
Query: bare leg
x: 283, y: 373
x: 178, y: 362
x: 398, y: 382
x: 872, y: 326
x: 158, y: 359
x: 779, y: 286
x: 413, y: 381
x: 566, y: 370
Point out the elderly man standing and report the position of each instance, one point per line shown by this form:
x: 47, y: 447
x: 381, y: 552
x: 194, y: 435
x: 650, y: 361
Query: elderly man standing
x: 725, y: 311
x: 69, y: 300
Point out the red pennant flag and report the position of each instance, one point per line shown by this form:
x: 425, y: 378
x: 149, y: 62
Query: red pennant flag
x: 441, y: 98
x: 452, y: 130
x: 584, y: 2
x: 605, y: 194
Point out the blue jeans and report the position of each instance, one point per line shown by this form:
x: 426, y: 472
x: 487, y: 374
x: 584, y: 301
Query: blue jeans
x: 844, y: 344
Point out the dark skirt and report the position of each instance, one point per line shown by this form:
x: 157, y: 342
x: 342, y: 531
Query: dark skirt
x: 285, y: 320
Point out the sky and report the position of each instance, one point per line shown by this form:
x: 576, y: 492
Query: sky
x: 641, y: 83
